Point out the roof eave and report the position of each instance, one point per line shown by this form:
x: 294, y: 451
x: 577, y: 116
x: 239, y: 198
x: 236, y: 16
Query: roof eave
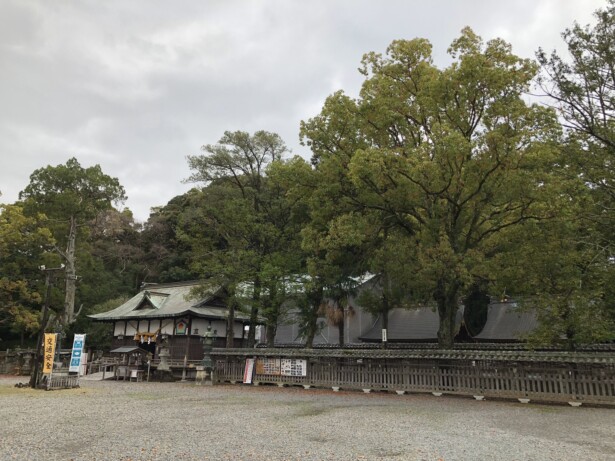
x: 168, y: 316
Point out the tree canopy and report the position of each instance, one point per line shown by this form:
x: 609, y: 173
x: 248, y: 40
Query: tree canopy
x: 446, y: 184
x: 70, y: 196
x: 247, y: 221
x: 25, y: 243
x: 449, y: 159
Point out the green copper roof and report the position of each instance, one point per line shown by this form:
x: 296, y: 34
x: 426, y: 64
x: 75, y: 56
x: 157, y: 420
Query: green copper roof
x: 170, y: 300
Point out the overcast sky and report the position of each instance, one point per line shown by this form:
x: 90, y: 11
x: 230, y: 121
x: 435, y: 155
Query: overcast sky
x: 135, y: 86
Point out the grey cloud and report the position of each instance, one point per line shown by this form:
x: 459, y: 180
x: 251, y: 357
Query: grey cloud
x: 136, y: 86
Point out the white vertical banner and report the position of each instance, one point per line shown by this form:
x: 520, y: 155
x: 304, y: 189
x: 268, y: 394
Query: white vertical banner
x: 248, y: 371
x: 75, y: 357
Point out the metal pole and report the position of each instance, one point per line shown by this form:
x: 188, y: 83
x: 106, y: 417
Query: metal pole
x: 58, y: 358
x: 187, y: 351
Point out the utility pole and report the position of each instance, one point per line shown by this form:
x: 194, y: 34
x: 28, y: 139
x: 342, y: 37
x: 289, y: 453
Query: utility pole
x: 44, y: 319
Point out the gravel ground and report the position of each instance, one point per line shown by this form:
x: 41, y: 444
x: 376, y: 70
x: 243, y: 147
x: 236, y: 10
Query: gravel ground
x: 181, y: 421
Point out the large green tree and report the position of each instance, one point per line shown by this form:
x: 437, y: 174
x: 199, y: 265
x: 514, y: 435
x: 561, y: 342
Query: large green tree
x: 583, y: 89
x: 299, y: 180
x: 336, y: 259
x: 452, y: 157
x: 248, y: 242
x: 551, y: 270
x: 71, y: 196
x: 165, y: 235
x: 115, y: 243
x: 25, y: 243
x: 330, y: 266
x: 581, y: 86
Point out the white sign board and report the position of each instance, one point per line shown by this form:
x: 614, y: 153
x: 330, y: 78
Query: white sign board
x: 293, y: 367
x: 75, y: 358
x: 248, y: 371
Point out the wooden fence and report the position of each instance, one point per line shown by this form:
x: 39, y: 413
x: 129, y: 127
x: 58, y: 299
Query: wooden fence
x: 563, y: 377
x: 61, y: 381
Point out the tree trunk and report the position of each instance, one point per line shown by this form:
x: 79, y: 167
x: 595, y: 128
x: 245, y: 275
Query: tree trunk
x: 230, y: 325
x: 272, y: 316
x: 256, y: 295
x: 271, y: 331
x: 570, y: 330
x: 314, y: 300
x: 312, y: 325
x: 38, y: 356
x: 340, y: 328
x: 447, y: 323
x: 446, y: 298
x: 68, y: 316
x: 309, y: 338
x: 230, y: 321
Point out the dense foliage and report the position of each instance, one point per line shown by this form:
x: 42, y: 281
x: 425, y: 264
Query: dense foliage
x: 447, y: 185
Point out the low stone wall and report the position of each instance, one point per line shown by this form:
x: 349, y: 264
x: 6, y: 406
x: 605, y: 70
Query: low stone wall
x: 574, y: 377
x: 16, y: 362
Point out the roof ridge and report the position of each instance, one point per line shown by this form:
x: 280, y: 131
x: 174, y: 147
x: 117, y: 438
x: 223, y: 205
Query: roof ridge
x: 154, y: 293
x: 146, y: 286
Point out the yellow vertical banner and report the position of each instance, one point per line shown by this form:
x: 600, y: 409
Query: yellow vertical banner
x: 50, y: 349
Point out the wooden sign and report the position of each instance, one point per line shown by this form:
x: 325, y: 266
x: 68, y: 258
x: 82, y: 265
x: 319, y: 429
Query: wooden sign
x: 268, y: 366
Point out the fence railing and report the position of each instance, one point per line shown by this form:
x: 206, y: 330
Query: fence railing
x: 563, y: 376
x: 61, y: 381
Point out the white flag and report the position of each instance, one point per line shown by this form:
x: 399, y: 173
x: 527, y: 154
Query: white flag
x: 75, y: 358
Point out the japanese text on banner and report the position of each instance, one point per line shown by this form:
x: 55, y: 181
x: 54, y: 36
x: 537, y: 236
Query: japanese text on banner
x: 49, y: 351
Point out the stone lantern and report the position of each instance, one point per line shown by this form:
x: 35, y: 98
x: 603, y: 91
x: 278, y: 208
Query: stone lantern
x: 204, y: 374
x: 164, y: 354
x: 163, y: 371
x: 27, y: 366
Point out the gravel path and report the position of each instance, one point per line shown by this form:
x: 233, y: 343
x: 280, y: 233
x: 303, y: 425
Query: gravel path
x: 181, y: 421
